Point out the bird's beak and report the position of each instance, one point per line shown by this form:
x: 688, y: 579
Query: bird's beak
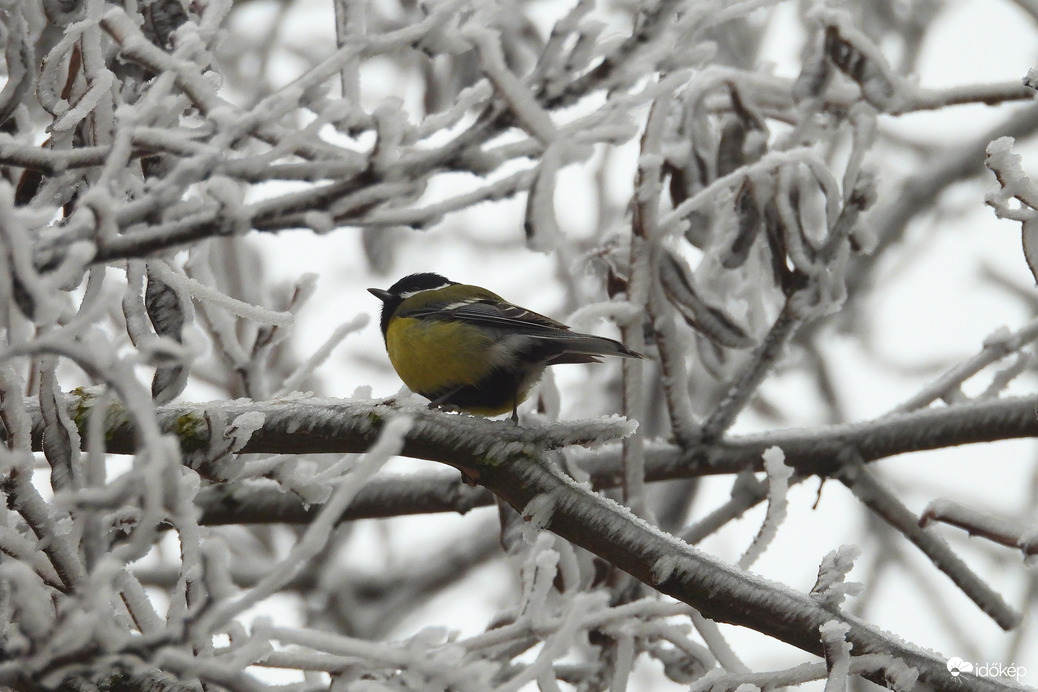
x: 380, y: 294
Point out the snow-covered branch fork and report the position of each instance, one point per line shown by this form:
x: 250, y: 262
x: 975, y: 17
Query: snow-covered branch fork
x: 516, y: 464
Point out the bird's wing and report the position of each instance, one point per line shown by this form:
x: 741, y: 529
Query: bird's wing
x: 547, y: 338
x: 485, y: 312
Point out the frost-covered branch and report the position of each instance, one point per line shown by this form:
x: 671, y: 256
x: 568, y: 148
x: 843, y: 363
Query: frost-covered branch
x: 883, y: 502
x: 553, y: 501
x: 336, y: 426
x: 1009, y: 533
x: 996, y: 347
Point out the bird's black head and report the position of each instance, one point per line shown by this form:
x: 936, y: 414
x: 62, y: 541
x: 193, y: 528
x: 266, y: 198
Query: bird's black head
x: 416, y: 283
x: 405, y: 288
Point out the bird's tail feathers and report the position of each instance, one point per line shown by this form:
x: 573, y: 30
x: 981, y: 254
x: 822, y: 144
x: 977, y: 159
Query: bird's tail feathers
x: 582, y: 348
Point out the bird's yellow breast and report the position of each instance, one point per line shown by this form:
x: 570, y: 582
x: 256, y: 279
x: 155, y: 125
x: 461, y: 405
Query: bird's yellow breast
x: 433, y: 356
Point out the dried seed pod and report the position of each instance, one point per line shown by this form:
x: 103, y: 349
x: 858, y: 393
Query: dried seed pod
x: 164, y: 308
x: 616, y: 283
x: 730, y: 147
x: 163, y: 18
x: 815, y: 76
x: 60, y: 436
x: 168, y: 383
x: 799, y: 248
x: 20, y: 55
x: 712, y: 322
x: 743, y: 136
x: 750, y: 223
x: 776, y: 238
x: 857, y: 58
x: 678, y: 182
x: 166, y: 311
x: 23, y: 298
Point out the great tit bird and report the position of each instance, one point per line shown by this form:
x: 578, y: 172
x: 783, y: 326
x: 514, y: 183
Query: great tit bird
x: 465, y: 347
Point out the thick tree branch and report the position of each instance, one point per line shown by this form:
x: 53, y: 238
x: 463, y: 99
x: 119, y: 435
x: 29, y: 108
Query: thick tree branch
x: 301, y: 426
x: 721, y: 592
x: 381, y: 497
x: 811, y: 451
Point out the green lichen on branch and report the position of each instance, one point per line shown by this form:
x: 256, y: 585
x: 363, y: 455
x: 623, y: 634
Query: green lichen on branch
x: 192, y: 431
x: 85, y: 402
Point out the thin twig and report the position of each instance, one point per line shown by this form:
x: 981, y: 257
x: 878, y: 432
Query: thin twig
x: 883, y: 502
x: 745, y: 385
x: 996, y: 347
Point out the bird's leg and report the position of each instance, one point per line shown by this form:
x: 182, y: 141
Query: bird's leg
x: 515, y: 408
x: 440, y: 402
